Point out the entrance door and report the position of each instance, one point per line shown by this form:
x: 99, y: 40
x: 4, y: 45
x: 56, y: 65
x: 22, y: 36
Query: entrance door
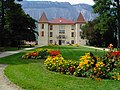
x: 60, y: 42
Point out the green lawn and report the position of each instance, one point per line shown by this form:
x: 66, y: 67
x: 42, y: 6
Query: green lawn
x: 2, y: 49
x: 32, y: 74
x: 74, y: 53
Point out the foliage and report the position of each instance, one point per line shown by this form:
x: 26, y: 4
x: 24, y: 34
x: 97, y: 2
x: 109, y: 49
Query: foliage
x: 54, y: 53
x: 38, y: 54
x: 103, y: 30
x: 90, y: 66
x: 33, y: 75
x: 86, y: 63
x: 58, y: 64
x: 17, y: 25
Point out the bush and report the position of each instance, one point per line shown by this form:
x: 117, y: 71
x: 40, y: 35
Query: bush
x: 58, y: 64
x: 107, y: 67
x: 38, y: 54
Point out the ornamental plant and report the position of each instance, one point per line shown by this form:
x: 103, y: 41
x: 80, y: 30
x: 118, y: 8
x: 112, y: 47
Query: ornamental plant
x: 54, y: 52
x: 58, y: 64
x: 53, y: 63
x: 38, y: 54
x: 42, y: 53
x: 87, y: 62
x: 30, y: 55
x: 108, y: 67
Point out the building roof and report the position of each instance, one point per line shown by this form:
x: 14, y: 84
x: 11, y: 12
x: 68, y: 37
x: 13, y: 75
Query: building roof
x: 61, y: 21
x: 43, y: 18
x: 81, y: 19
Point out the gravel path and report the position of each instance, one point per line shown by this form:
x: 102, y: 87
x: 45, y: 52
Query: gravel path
x: 5, y: 83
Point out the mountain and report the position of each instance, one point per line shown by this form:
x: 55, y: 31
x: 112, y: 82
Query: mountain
x: 57, y: 9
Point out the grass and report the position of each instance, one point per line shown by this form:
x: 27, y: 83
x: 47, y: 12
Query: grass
x: 32, y: 75
x: 2, y: 49
x: 74, y: 53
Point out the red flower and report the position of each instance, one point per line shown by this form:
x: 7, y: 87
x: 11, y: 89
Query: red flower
x: 54, y: 53
x: 35, y: 54
x: 117, y: 53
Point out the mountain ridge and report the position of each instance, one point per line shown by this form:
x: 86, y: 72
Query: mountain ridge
x: 57, y: 9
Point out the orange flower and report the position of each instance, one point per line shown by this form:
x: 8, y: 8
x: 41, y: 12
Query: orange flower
x: 98, y: 79
x: 110, y: 45
x: 34, y: 53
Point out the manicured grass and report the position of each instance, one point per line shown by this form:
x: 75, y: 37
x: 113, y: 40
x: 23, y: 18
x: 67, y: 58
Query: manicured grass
x: 32, y: 75
x: 74, y: 53
x: 2, y: 49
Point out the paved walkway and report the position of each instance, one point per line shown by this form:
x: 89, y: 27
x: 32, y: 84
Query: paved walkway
x: 106, y: 49
x: 7, y: 53
x: 5, y: 83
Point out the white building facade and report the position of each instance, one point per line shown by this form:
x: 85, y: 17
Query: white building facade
x: 60, y: 31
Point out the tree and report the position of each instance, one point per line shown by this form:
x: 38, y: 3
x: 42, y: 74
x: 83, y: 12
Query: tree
x: 17, y: 25
x: 109, y: 20
x: 103, y: 31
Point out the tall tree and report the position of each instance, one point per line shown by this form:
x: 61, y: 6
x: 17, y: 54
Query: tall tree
x: 109, y: 20
x: 17, y: 24
x: 106, y: 24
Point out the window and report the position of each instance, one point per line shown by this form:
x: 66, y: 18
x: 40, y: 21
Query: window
x: 61, y: 31
x: 42, y: 26
x: 51, y: 27
x: 72, y: 41
x: 42, y: 34
x: 62, y: 27
x: 63, y: 41
x: 51, y: 41
x: 51, y: 34
x: 72, y: 34
x: 80, y: 26
x: 72, y: 27
x: 62, y: 36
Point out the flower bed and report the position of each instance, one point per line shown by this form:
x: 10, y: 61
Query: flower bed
x: 107, y: 67
x: 58, y: 64
x: 38, y: 54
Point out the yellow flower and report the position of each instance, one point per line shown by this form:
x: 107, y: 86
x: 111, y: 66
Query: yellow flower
x: 118, y: 77
x: 113, y: 77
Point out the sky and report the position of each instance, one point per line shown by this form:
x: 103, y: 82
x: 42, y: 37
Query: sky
x: 90, y: 2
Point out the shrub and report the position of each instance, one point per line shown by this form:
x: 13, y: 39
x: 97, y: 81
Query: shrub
x: 38, y: 54
x: 54, y: 53
x: 42, y: 54
x: 58, y: 64
x: 106, y: 67
x: 30, y: 55
x: 90, y: 66
x: 87, y: 62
